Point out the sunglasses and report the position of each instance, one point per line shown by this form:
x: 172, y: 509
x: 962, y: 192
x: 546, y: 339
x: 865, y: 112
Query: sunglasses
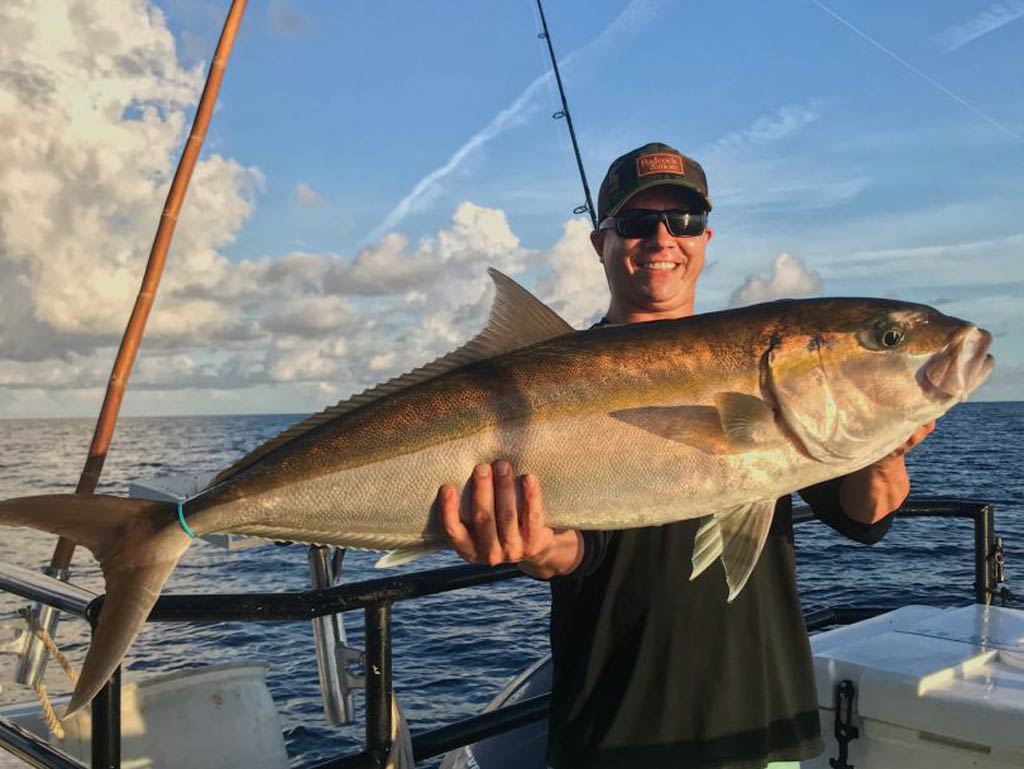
x: 642, y: 223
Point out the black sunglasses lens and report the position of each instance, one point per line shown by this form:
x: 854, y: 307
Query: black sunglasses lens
x: 685, y: 224
x: 681, y: 224
x: 636, y: 226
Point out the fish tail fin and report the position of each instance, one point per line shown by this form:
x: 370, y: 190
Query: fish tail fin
x: 137, y: 542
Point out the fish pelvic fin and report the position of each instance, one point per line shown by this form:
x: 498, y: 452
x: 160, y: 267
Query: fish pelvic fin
x: 737, y: 537
x: 137, y: 542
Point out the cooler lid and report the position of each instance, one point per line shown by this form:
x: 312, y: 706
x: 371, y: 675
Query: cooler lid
x: 956, y: 672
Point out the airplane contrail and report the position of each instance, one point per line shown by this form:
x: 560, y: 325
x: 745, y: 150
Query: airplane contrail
x: 636, y: 14
x: 931, y: 81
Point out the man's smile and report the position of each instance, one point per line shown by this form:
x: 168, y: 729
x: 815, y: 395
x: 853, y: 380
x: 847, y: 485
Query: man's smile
x: 657, y: 265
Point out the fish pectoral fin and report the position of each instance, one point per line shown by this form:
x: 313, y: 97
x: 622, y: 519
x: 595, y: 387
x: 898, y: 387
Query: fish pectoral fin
x: 697, y: 426
x: 707, y: 546
x: 404, y: 555
x: 743, y: 531
x: 747, y: 421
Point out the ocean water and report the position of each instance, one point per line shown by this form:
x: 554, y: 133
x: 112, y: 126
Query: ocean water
x: 454, y: 652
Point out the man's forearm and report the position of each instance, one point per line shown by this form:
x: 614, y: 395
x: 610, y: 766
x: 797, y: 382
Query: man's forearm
x: 870, y: 494
x: 560, y: 558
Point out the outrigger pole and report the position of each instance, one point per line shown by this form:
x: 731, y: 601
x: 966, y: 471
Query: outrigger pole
x: 588, y: 207
x: 33, y: 661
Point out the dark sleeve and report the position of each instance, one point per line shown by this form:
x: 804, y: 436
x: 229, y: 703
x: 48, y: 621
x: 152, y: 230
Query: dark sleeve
x: 824, y: 501
x: 595, y: 544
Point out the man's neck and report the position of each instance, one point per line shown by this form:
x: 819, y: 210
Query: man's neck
x: 620, y: 313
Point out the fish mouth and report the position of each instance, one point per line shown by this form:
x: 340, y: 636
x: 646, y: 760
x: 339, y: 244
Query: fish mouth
x: 960, y: 367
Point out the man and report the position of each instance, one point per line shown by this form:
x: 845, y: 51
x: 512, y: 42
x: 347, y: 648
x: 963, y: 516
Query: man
x: 650, y: 669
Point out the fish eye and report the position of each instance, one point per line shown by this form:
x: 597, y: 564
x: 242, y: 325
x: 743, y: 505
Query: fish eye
x: 891, y: 337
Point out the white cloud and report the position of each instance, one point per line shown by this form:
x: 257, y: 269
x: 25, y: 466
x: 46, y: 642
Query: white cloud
x: 306, y: 196
x: 990, y: 260
x: 754, y: 179
x: 779, y: 124
x: 475, y: 236
x: 789, y: 278
x: 575, y: 286
x: 761, y: 186
x: 992, y: 18
x: 91, y: 138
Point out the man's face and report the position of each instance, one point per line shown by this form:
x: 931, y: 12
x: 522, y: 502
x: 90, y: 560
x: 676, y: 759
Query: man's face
x: 654, y: 277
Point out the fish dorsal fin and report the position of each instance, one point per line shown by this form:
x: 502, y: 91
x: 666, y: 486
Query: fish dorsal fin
x: 517, y: 319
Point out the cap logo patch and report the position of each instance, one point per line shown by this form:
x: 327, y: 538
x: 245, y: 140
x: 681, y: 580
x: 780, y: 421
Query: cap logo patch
x: 659, y: 163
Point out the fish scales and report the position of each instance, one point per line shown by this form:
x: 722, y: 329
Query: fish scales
x: 338, y: 475
x: 712, y: 416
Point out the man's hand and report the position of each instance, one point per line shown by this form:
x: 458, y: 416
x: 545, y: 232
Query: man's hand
x: 870, y: 494
x: 501, y: 526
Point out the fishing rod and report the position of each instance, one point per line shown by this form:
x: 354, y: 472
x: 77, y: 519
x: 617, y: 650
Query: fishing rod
x: 588, y: 207
x: 33, y: 660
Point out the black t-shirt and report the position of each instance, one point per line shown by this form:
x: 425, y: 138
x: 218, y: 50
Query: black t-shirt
x: 652, y: 670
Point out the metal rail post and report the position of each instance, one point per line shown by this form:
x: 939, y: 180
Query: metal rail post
x: 378, y: 681
x: 986, y: 582
x: 106, y: 725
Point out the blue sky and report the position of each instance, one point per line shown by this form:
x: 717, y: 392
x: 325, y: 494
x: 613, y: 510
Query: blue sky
x: 880, y: 146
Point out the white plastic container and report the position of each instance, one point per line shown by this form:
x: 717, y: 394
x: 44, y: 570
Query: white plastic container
x: 935, y: 688
x: 217, y: 717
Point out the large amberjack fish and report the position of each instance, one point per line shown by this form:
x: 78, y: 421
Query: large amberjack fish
x: 715, y: 415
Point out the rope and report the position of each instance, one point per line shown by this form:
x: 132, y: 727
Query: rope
x: 51, y: 646
x: 53, y: 722
x: 49, y: 714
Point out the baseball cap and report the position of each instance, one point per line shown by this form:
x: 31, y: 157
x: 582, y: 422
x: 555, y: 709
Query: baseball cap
x: 652, y: 165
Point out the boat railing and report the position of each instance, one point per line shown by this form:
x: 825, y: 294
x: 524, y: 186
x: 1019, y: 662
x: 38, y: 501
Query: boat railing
x: 375, y: 598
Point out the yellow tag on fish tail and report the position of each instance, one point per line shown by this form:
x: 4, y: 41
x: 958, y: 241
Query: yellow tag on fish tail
x: 747, y: 421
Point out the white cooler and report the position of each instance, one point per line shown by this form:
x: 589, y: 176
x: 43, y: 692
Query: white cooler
x: 934, y: 688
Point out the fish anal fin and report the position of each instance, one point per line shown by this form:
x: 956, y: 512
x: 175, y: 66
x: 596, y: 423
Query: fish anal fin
x: 747, y: 421
x: 404, y: 555
x: 744, y: 531
x: 517, y: 319
x: 707, y: 546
